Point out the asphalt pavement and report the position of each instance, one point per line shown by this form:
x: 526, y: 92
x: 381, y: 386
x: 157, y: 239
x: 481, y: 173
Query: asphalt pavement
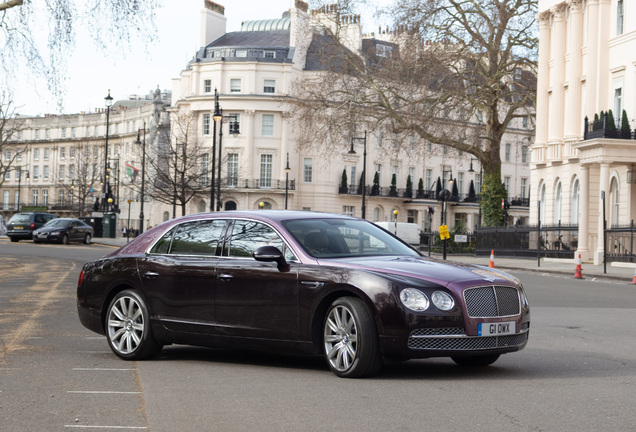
x: 624, y: 272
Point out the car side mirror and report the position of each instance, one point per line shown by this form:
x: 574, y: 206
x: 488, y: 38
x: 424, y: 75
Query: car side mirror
x: 272, y: 254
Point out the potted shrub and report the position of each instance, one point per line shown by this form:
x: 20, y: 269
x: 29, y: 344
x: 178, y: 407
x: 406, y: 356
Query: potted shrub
x: 343, y: 189
x: 375, y: 189
x: 393, y: 190
x: 408, y: 192
x: 420, y: 188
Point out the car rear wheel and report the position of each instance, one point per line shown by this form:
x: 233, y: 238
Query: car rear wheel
x: 476, y: 361
x: 14, y: 240
x: 350, y: 339
x: 128, y: 327
x: 64, y: 239
x: 87, y: 239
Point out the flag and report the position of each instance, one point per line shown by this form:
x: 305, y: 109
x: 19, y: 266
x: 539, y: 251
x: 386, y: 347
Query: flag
x: 132, y: 172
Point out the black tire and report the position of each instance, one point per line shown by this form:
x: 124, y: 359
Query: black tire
x: 476, y: 361
x: 37, y: 241
x: 14, y: 240
x: 128, y: 327
x: 350, y: 339
x: 64, y: 239
x: 87, y: 239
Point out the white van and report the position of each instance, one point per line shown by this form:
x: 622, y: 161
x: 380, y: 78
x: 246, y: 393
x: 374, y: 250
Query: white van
x: 408, y: 232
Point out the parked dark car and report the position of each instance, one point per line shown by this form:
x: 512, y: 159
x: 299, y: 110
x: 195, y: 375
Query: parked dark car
x: 299, y: 282
x: 64, y: 230
x: 21, y: 225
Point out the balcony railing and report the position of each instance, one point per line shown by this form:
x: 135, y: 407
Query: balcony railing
x: 277, y: 184
x: 601, y: 128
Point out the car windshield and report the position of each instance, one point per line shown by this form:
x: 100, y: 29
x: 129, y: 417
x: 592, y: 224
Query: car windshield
x: 20, y: 218
x: 59, y: 223
x: 337, y: 238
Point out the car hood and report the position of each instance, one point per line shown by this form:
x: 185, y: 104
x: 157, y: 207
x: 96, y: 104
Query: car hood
x: 50, y: 229
x: 437, y: 271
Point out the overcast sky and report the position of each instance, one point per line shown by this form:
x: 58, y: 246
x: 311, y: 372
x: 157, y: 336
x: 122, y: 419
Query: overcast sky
x: 91, y: 74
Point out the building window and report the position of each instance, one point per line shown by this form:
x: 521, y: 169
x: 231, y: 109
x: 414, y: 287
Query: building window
x: 269, y: 54
x: 232, y: 169
x: 307, y: 170
x: 557, y: 204
x: 348, y: 210
x: 47, y: 133
x: 411, y: 216
x: 36, y: 172
x: 507, y: 185
x: 376, y: 214
x: 36, y: 154
x: 429, y: 147
x: 61, y: 172
x: 45, y: 197
x: 71, y: 172
x: 5, y: 202
x: 524, y: 154
x: 62, y: 153
x: 18, y: 155
x: 460, y: 182
x: 445, y: 149
x: 47, y: 151
x: 235, y: 123
x: 378, y: 142
x: 525, y: 122
x: 268, y: 125
x: 71, y: 152
x: 352, y: 180
x: 235, y: 85
x: 204, y: 164
x: 524, y: 185
x: 37, y: 134
x: 429, y: 179
x: 72, y: 132
x: 206, y: 124
x: 207, y: 86
x: 45, y: 172
x: 7, y: 174
x: 7, y: 155
x: 575, y: 203
x: 619, y: 17
x: 63, y: 132
x: 618, y: 106
x: 241, y: 53
x: 266, y: 171
x: 60, y: 197
x: 269, y: 86
x: 35, y: 197
x: 507, y: 155
x: 378, y: 171
x: 383, y: 50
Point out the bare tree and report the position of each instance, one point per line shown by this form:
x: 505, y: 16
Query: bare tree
x: 27, y: 48
x: 80, y: 180
x: 454, y: 72
x: 179, y: 174
x: 10, y: 125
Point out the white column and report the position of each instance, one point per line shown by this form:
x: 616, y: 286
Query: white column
x: 573, y: 126
x: 543, y: 79
x: 591, y: 64
x: 250, y: 151
x: 604, y: 100
x: 557, y: 75
x: 584, y: 217
x: 603, y: 187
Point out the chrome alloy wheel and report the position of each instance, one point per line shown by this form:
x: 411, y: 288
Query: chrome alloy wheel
x: 341, y: 338
x: 125, y: 325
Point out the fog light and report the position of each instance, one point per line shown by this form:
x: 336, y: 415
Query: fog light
x: 442, y: 301
x: 414, y: 299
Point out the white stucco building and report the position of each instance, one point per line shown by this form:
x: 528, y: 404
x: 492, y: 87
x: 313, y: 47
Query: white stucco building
x: 587, y: 64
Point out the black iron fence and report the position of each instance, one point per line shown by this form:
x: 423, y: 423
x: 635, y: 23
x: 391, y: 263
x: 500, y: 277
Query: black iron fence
x: 619, y: 244
x: 557, y: 241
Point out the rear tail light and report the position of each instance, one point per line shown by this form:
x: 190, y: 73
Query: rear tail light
x: 32, y: 226
x: 81, y: 278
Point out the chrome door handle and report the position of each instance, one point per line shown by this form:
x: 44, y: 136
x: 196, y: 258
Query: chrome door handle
x: 225, y: 276
x: 314, y: 284
x: 150, y: 275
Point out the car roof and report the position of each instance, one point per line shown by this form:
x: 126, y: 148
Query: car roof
x: 266, y: 215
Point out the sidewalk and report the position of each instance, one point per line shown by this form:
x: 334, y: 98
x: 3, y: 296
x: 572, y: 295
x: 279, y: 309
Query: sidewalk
x: 564, y: 267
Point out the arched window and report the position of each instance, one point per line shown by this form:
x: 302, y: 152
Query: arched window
x: 615, y: 200
x: 557, y: 204
x: 166, y: 216
x: 377, y: 214
x: 201, y: 206
x: 230, y: 205
x: 574, y: 217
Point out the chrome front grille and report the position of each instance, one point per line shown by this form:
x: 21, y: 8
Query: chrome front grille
x: 492, y: 301
x: 449, y: 339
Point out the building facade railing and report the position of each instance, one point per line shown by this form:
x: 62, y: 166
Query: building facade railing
x: 557, y: 241
x: 603, y: 128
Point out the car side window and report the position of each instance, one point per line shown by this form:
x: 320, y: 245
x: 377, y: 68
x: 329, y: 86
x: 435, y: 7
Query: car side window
x: 247, y: 236
x: 40, y: 218
x: 163, y: 244
x: 197, y: 238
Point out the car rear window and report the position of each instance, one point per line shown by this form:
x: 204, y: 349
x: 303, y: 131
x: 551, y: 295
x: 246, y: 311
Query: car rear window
x: 20, y: 218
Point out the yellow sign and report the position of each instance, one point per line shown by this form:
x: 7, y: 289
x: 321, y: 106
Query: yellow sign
x: 443, y: 232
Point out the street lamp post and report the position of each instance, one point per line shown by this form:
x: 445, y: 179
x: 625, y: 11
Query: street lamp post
x: 217, y: 117
x: 143, y: 179
x: 108, y: 102
x: 444, y: 214
x: 364, y: 169
x: 287, y: 170
x: 128, y: 225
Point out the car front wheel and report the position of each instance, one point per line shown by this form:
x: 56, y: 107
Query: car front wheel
x: 350, y: 339
x: 476, y: 361
x: 64, y: 239
x: 87, y: 239
x: 128, y: 327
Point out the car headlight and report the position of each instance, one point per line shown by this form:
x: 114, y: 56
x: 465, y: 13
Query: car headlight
x: 55, y: 233
x: 414, y: 299
x: 442, y: 301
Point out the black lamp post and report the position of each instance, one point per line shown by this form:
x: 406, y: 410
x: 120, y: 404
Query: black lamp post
x: 108, y: 102
x: 217, y: 117
x: 481, y: 180
x: 444, y: 214
x: 364, y: 169
x: 143, y: 179
x: 287, y: 170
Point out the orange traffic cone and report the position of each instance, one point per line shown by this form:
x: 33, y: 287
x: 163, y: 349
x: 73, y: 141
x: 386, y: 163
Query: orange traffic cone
x: 491, y: 264
x: 578, y: 271
x: 634, y: 279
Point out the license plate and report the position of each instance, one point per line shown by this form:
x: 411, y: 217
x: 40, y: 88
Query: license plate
x: 496, y: 329
x: 17, y: 227
x: 42, y: 235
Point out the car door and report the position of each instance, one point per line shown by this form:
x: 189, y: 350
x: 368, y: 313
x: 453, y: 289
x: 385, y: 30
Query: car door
x: 75, y: 230
x: 254, y: 299
x: 178, y: 276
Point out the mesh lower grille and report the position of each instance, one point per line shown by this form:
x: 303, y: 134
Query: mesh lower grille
x: 492, y: 301
x: 460, y: 342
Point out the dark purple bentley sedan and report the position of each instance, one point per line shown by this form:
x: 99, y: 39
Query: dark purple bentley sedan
x: 300, y: 282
